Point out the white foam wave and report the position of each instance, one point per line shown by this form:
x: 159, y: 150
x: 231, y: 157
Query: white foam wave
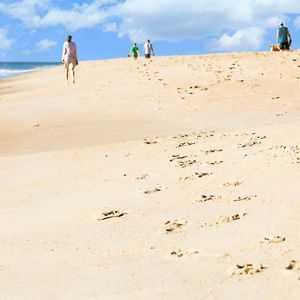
x: 8, y: 72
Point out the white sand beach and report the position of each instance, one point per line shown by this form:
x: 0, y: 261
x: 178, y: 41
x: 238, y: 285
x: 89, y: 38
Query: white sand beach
x: 175, y: 178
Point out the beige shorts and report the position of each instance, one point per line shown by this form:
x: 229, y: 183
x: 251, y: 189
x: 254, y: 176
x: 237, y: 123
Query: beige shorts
x: 70, y: 62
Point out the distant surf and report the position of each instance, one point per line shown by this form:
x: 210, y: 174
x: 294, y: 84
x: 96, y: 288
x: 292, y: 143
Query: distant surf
x: 11, y: 69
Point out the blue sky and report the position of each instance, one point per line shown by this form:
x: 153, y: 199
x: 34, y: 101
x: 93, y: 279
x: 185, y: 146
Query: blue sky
x: 34, y: 30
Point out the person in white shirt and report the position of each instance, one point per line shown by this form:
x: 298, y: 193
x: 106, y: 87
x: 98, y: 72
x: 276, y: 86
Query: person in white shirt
x: 148, y: 49
x: 69, y: 57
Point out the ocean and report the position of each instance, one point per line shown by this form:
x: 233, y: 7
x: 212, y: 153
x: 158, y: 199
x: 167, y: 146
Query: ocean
x: 11, y: 69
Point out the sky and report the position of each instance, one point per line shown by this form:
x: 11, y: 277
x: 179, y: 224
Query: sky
x: 35, y: 30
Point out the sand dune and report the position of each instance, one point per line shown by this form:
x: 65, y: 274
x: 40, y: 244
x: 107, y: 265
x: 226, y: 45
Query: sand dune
x: 176, y: 178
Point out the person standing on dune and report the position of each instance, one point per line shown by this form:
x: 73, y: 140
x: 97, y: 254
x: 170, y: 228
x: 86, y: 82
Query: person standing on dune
x: 134, y: 51
x: 69, y: 57
x: 283, y: 37
x: 148, y: 49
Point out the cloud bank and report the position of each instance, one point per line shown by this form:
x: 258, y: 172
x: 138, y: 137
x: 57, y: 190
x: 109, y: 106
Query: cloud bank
x: 225, y: 25
x: 229, y: 24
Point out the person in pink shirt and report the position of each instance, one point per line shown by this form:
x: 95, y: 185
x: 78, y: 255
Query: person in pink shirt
x: 69, y: 57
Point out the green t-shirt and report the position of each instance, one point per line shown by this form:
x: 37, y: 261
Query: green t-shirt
x: 134, y: 51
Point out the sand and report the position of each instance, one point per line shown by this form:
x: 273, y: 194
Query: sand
x: 175, y: 178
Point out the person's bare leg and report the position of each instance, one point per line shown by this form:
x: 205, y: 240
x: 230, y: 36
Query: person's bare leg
x: 73, y: 75
x: 67, y: 75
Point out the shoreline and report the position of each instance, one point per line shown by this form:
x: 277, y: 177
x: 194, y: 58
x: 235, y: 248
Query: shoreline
x: 15, y: 69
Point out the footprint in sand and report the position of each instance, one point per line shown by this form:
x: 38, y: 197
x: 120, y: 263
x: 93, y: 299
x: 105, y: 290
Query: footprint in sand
x: 155, y: 190
x: 245, y: 134
x: 248, y: 269
x: 180, y: 90
x: 207, y: 198
x: 177, y: 157
x: 184, y: 144
x: 216, y: 162
x: 273, y: 240
x: 196, y: 175
x: 150, y: 142
x: 236, y: 183
x: 186, y: 163
x: 142, y: 177
x: 198, y: 87
x: 180, y: 136
x: 292, y: 265
x: 180, y: 253
x: 211, y: 151
x: 240, y: 199
x: 174, y: 226
x: 223, y: 220
x: 253, y: 141
x: 292, y: 151
x: 205, y: 134
x: 111, y: 214
x: 193, y: 137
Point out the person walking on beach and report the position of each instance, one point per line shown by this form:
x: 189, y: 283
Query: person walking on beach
x: 134, y: 51
x: 283, y: 37
x: 148, y: 49
x: 69, y: 57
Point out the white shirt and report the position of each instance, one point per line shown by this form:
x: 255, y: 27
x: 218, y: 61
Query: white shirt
x: 69, y: 51
x: 148, y: 48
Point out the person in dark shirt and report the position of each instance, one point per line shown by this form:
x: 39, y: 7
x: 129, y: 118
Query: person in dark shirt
x: 284, y: 39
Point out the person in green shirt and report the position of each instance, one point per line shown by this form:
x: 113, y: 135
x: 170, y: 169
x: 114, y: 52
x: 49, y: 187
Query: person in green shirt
x: 134, y: 51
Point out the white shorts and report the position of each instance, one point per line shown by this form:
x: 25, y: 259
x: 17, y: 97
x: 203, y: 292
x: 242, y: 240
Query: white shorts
x: 70, y: 62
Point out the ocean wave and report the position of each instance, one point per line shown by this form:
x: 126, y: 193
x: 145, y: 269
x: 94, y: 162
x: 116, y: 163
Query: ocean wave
x: 12, y: 69
x: 8, y: 72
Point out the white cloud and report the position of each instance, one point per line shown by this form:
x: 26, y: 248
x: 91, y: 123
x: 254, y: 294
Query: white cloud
x: 230, y: 24
x: 43, y: 13
x: 79, y: 16
x: 27, y: 11
x: 45, y: 45
x: 5, y: 41
x: 241, y: 40
x: 178, y: 20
